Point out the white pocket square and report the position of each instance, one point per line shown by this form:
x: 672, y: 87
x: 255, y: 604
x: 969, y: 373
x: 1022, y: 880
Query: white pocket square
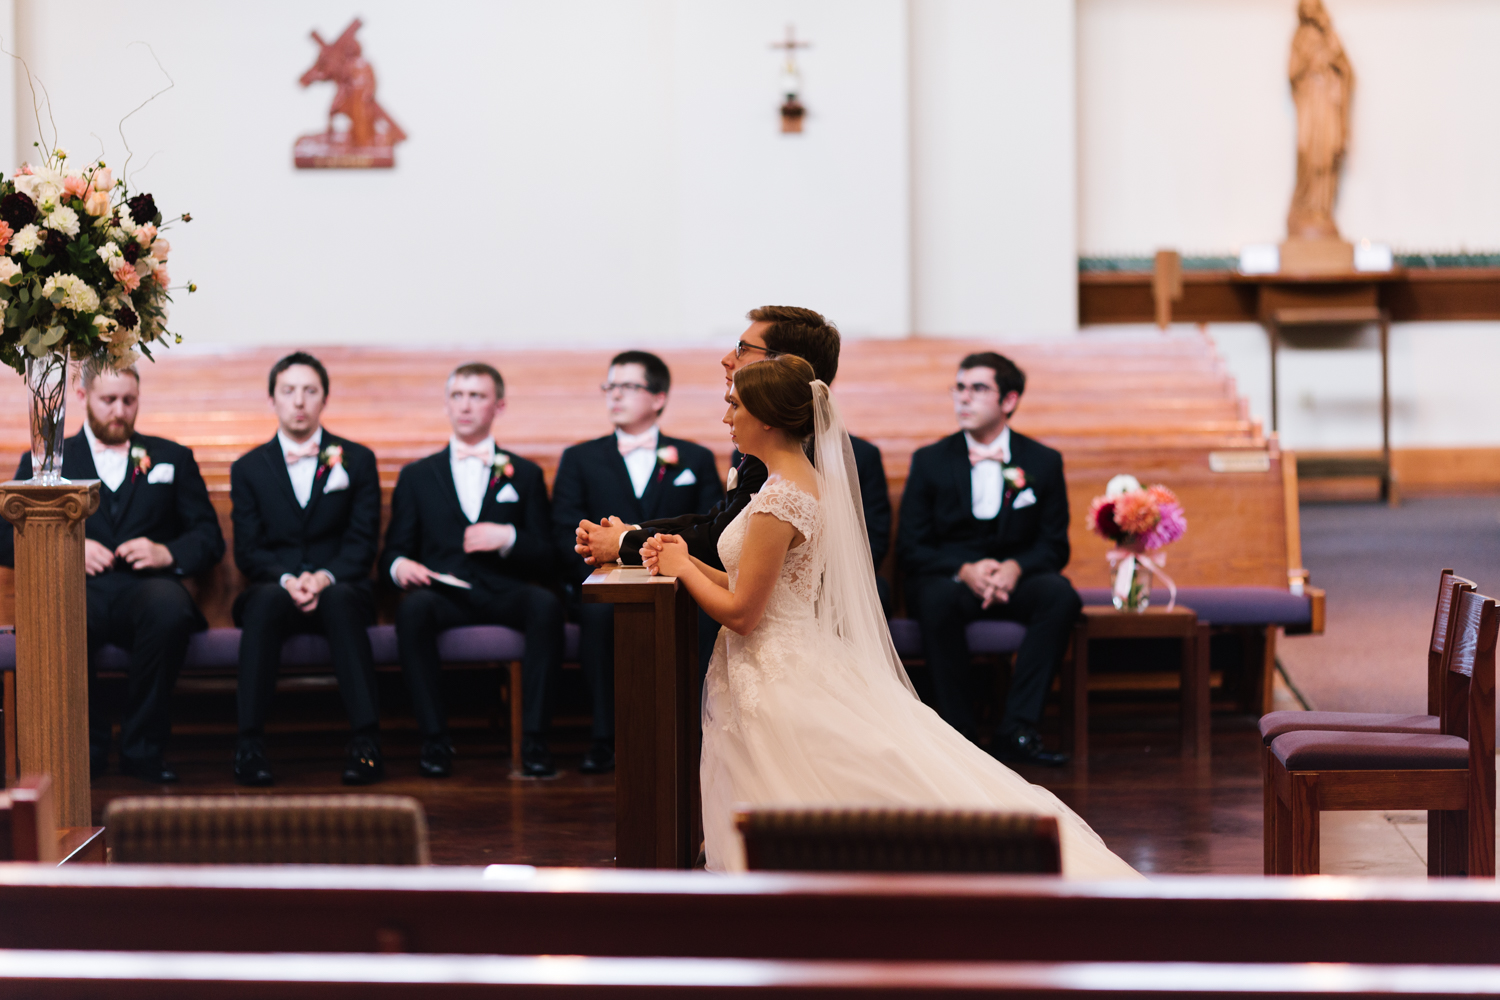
x: 166, y: 472
x: 1025, y: 498
x: 685, y: 479
x: 508, y: 494
x: 338, y: 479
x: 732, y: 480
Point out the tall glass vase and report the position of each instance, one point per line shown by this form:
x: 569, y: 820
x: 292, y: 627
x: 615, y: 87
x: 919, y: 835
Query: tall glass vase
x: 47, y: 382
x: 1132, y: 589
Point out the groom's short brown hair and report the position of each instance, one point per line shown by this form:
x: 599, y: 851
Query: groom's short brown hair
x: 480, y: 368
x: 794, y: 330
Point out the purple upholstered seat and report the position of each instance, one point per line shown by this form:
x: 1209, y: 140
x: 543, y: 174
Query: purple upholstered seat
x: 383, y: 645
x: 994, y: 637
x: 480, y: 644
x: 571, y: 634
x: 1277, y: 724
x: 7, y: 651
x: 906, y: 635
x: 1323, y: 751
x: 1227, y: 605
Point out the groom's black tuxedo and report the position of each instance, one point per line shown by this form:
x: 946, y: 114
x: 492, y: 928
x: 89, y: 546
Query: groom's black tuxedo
x: 592, y: 482
x: 148, y: 612
x: 939, y: 533
x: 274, y: 535
x: 428, y: 525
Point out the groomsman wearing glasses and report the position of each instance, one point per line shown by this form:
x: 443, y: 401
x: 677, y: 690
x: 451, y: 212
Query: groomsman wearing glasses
x: 640, y: 474
x: 470, y: 542
x: 984, y: 534
x: 154, y: 527
x: 306, y: 527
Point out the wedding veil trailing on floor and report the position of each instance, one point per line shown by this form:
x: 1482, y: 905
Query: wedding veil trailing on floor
x: 848, y: 607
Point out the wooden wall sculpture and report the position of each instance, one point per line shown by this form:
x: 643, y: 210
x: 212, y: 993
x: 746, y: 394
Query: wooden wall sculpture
x: 372, y: 135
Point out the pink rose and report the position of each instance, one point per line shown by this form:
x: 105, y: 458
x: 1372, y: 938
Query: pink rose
x: 104, y: 179
x: 75, y: 187
x: 161, y: 277
x: 145, y: 234
x: 667, y: 455
x: 160, y: 249
x: 5, y: 235
x: 97, y: 203
x: 126, y: 275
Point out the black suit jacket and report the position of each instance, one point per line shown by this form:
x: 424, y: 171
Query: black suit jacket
x: 337, y: 531
x: 427, y: 524
x: 178, y: 514
x: 592, y: 482
x: 939, y: 532
x: 702, y: 531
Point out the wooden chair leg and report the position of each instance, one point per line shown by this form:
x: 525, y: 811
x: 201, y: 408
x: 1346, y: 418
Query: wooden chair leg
x: 515, y: 717
x: 1282, y: 863
x: 1453, y: 846
x: 8, y: 707
x: 1268, y: 805
x: 1306, y: 823
x: 1434, y: 843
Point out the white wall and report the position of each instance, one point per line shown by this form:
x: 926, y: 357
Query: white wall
x: 1186, y: 140
x: 993, y: 164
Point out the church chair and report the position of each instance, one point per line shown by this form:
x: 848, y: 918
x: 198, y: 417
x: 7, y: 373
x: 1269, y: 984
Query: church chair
x: 267, y: 830
x: 899, y: 840
x: 1277, y: 724
x: 1450, y: 774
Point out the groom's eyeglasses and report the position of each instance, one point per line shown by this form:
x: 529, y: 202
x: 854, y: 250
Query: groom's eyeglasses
x: 742, y: 347
x: 978, y: 390
x: 626, y: 387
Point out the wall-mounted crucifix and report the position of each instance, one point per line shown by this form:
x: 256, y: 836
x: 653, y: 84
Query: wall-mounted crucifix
x: 792, y: 108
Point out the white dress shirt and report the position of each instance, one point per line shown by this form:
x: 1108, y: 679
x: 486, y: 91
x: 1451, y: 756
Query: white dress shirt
x: 641, y: 462
x: 110, y: 462
x: 304, y: 470
x: 986, y: 484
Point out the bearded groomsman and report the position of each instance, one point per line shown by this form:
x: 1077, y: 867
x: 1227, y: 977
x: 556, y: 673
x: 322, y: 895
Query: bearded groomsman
x: 154, y: 526
x: 984, y: 534
x: 641, y: 475
x: 306, y: 526
x: 470, y: 543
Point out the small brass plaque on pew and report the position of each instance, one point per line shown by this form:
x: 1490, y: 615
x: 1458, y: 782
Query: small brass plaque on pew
x: 1240, y: 460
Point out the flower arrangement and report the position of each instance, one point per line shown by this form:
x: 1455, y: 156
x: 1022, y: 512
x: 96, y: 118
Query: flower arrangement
x: 1137, y: 520
x: 332, y: 455
x: 83, y: 272
x: 501, y: 468
x: 667, y: 455
x: 140, y: 462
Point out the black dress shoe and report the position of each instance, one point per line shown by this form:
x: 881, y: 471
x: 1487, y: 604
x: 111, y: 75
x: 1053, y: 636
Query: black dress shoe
x: 599, y: 760
x: 1024, y: 746
x: 362, y: 763
x: 251, y: 767
x: 536, y: 761
x: 150, y: 769
x: 437, y: 759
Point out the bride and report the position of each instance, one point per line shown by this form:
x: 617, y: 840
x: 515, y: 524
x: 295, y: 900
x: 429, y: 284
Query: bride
x: 806, y: 701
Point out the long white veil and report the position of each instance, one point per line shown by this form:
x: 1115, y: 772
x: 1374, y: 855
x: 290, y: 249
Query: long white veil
x: 848, y: 605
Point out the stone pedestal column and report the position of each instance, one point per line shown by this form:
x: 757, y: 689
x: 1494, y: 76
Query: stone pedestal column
x: 52, y: 698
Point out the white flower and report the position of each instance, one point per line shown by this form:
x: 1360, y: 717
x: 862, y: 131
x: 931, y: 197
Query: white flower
x: 127, y: 224
x: 43, y: 186
x: 26, y: 240
x: 109, y: 252
x: 64, y: 220
x: 1121, y: 484
x: 8, y: 269
x: 105, y: 325
x: 76, y: 294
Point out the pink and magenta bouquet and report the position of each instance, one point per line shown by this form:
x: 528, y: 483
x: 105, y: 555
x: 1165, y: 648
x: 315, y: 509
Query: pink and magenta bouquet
x: 1135, y: 518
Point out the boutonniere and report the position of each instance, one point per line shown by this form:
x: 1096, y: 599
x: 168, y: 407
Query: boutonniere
x: 1014, y: 476
x: 667, y: 455
x: 329, y: 457
x: 140, y: 462
x: 501, y: 468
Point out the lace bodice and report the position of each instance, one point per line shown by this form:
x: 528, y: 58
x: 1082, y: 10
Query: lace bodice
x: 797, y: 586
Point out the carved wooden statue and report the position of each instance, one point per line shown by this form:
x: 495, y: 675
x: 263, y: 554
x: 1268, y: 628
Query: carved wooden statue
x: 373, y: 134
x: 1322, y: 84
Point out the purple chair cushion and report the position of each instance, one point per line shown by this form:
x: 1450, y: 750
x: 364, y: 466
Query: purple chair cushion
x: 1277, y: 723
x: 906, y: 634
x: 994, y: 637
x: 480, y: 644
x: 1320, y: 751
x: 7, y: 651
x: 383, y: 645
x: 1227, y: 605
x: 571, y: 635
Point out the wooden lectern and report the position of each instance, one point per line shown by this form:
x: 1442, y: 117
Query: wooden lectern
x: 52, y: 697
x: 657, y: 730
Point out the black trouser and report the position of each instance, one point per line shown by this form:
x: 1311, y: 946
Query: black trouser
x: 596, y: 655
x: 1045, y: 603
x: 152, y: 617
x: 266, y: 615
x: 426, y: 612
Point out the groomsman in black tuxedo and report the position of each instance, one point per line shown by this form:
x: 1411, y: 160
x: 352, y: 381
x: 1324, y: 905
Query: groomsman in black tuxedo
x: 773, y: 331
x: 306, y: 526
x: 154, y: 526
x: 470, y: 541
x: 641, y: 474
x: 984, y: 534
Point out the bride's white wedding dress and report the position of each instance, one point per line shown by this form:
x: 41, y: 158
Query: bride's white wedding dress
x: 810, y: 709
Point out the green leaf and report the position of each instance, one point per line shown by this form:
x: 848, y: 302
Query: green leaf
x: 25, y: 294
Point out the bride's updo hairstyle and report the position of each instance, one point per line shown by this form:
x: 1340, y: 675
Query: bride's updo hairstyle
x: 778, y: 391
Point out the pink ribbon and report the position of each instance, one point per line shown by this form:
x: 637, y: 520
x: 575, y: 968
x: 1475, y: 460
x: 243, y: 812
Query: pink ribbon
x: 1121, y: 561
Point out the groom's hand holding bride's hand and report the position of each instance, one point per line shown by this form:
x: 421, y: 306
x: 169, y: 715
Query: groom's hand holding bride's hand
x: 666, y: 555
x: 600, y: 543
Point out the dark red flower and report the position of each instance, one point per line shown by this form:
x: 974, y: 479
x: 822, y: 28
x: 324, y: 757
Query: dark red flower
x: 142, y: 208
x: 126, y: 317
x: 54, y: 243
x: 132, y: 252
x: 17, y: 210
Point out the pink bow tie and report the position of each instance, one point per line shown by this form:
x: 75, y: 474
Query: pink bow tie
x: 463, y: 451
x: 123, y: 447
x: 987, y: 453
x: 297, y: 452
x: 636, y: 442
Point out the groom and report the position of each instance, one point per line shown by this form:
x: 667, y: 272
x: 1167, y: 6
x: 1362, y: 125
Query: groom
x: 984, y: 534
x: 773, y: 331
